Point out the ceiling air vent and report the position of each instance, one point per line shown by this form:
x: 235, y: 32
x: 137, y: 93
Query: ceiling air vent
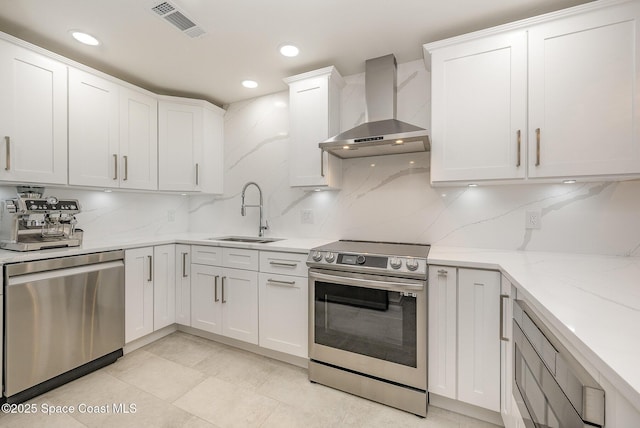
x: 178, y: 19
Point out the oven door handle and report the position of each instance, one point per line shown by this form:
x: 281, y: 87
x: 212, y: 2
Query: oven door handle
x: 369, y: 283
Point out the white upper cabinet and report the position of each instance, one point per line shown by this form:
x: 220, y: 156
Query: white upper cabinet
x: 314, y: 116
x: 93, y: 130
x: 549, y: 98
x: 113, y: 140
x: 33, y: 117
x: 583, y: 94
x: 479, y: 109
x: 190, y: 145
x: 138, y: 140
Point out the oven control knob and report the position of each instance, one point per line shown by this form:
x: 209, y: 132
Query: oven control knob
x: 329, y: 257
x: 316, y: 255
x: 360, y: 259
x: 412, y: 264
x: 395, y: 263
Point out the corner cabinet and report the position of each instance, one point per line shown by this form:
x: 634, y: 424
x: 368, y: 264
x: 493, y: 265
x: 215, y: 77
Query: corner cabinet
x: 33, y: 117
x: 545, y: 99
x: 190, y: 145
x: 112, y: 134
x: 314, y: 116
x: 464, y: 335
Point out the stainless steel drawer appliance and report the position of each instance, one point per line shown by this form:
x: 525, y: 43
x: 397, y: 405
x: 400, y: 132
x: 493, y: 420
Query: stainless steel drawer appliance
x: 368, y: 321
x: 550, y: 386
x: 63, y: 318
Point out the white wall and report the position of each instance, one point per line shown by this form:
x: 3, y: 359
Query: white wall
x: 393, y: 200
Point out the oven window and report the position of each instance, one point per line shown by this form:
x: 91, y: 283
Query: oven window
x: 376, y: 323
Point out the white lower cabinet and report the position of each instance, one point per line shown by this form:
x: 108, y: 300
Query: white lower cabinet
x: 464, y: 341
x: 149, y: 290
x: 183, y: 284
x: 225, y: 300
x: 507, y: 403
x: 284, y: 306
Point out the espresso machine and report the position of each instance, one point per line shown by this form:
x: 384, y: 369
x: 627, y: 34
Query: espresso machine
x: 33, y: 222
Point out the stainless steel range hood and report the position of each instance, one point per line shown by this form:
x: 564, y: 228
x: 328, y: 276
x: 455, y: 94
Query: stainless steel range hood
x: 382, y: 134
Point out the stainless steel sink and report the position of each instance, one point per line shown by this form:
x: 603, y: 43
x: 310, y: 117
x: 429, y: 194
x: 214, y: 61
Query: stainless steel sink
x: 250, y: 239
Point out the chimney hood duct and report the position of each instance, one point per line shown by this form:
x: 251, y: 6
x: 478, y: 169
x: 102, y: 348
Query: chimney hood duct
x: 382, y: 134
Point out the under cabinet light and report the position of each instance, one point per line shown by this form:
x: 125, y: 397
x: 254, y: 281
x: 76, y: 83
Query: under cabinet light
x: 569, y: 181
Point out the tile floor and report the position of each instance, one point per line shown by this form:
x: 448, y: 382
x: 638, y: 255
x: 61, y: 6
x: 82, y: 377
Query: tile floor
x: 186, y: 381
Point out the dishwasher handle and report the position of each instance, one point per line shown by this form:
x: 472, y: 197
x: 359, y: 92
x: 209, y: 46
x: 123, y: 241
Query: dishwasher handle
x: 23, y: 268
x: 61, y: 273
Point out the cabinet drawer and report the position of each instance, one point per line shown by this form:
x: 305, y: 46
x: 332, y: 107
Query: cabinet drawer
x: 283, y: 263
x: 239, y: 258
x: 204, y: 255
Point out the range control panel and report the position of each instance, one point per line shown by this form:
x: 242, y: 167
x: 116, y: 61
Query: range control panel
x: 366, y: 262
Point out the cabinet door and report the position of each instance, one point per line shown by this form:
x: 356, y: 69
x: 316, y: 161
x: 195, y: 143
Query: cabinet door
x: 240, y: 305
x: 284, y: 312
x: 93, y: 130
x: 180, y: 135
x: 33, y: 117
x: 443, y: 364
x: 183, y: 284
x: 314, y: 111
x: 212, y: 172
x: 138, y: 140
x: 583, y: 94
x: 507, y: 294
x: 164, y: 286
x: 206, y: 298
x: 478, y: 338
x: 138, y: 293
x: 479, y: 109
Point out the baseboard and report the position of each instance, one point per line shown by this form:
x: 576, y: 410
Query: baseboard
x: 465, y: 409
x: 280, y: 356
x: 150, y: 338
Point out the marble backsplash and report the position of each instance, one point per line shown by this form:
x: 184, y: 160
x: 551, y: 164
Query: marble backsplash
x: 385, y: 198
x: 389, y: 198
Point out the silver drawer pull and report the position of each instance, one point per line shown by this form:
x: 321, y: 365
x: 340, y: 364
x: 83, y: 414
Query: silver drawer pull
x: 278, y: 282
x: 284, y: 264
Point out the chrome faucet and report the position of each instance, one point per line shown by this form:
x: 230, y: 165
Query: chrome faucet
x: 243, y: 210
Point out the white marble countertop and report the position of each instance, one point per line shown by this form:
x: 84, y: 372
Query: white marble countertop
x: 592, y: 302
x: 291, y: 245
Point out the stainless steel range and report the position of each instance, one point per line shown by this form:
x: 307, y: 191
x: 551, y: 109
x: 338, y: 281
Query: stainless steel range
x: 368, y: 321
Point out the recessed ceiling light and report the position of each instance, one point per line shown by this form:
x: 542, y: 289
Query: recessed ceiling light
x: 85, y: 38
x: 251, y: 84
x: 289, y: 50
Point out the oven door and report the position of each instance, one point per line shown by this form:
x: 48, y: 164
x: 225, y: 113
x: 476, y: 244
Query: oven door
x: 371, y: 324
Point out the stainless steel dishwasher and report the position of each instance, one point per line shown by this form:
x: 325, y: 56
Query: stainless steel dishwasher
x: 64, y: 318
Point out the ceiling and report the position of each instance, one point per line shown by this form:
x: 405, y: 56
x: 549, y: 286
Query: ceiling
x: 242, y: 36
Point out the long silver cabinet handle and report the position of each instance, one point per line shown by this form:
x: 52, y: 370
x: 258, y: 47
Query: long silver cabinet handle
x: 150, y: 268
x: 7, y: 140
x: 280, y: 283
x: 284, y: 264
x: 223, y: 299
x: 115, y: 167
x: 126, y: 168
x: 537, y: 146
x: 197, y: 174
x: 321, y: 163
x: 184, y: 265
x: 519, y: 148
x: 215, y: 289
x: 503, y: 297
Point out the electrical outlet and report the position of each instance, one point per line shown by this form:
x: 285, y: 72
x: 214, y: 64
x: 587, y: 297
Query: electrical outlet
x: 533, y: 219
x: 306, y: 216
x: 171, y: 215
